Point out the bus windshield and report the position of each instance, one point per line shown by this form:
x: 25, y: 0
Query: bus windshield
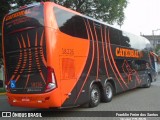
x: 27, y: 18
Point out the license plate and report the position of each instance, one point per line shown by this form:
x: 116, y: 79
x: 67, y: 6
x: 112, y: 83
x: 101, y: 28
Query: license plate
x: 25, y: 99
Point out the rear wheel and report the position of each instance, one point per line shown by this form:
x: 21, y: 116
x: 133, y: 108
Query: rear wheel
x: 108, y: 92
x: 94, y: 96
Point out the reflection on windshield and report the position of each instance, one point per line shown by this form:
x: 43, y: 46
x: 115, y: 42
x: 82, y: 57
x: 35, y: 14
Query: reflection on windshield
x: 137, y: 42
x: 30, y: 17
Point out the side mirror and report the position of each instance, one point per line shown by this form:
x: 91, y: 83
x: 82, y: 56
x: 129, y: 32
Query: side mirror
x: 1, y: 83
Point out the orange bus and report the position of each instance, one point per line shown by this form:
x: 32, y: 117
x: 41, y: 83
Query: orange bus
x: 56, y: 57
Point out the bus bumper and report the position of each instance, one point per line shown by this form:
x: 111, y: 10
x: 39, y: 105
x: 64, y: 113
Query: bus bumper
x: 33, y: 100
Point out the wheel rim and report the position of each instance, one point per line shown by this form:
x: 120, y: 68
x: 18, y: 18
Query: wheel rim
x: 109, y: 91
x: 95, y: 95
x: 149, y: 82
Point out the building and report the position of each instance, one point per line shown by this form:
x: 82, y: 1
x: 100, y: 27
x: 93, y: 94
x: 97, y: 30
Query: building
x: 154, y: 39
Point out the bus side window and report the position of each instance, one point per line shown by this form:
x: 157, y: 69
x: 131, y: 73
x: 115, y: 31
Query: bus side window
x: 125, y: 40
x: 134, y: 65
x: 80, y: 28
x: 70, y: 23
x: 65, y: 21
x: 141, y: 65
x: 114, y: 36
x: 98, y: 31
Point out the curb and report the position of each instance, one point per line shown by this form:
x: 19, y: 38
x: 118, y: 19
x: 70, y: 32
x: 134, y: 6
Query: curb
x: 2, y: 93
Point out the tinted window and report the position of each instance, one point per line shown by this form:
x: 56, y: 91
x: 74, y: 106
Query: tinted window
x: 136, y: 42
x: 98, y: 31
x: 125, y: 40
x: 139, y: 65
x: 119, y: 63
x: 80, y: 28
x: 30, y: 17
x: 70, y: 23
x: 114, y: 36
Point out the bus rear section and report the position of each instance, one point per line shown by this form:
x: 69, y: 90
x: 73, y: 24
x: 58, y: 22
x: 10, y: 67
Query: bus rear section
x: 28, y: 77
x: 43, y: 64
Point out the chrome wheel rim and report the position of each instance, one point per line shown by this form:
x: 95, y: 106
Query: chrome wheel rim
x: 95, y: 95
x: 109, y: 91
x: 148, y: 81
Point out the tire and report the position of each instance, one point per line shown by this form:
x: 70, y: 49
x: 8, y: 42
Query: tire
x: 148, y: 82
x: 94, y: 96
x: 108, y: 92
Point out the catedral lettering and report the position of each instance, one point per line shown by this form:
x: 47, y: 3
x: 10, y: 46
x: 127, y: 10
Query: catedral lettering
x: 17, y: 14
x: 123, y: 52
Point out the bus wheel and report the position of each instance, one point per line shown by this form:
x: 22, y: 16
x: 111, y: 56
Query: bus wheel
x: 148, y: 84
x: 94, y: 96
x: 108, y: 92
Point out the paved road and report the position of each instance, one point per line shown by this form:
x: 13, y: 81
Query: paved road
x: 140, y: 99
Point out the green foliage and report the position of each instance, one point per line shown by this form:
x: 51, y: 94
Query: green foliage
x: 4, y: 8
x: 110, y: 11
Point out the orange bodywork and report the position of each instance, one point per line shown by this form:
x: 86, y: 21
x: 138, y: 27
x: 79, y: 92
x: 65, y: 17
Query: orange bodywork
x: 67, y: 56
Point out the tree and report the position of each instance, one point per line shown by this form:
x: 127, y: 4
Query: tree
x: 4, y: 8
x: 110, y: 11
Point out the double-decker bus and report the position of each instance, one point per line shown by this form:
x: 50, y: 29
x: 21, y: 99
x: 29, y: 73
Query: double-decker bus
x: 56, y: 57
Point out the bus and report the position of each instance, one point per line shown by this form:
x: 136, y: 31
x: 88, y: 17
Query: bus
x: 55, y: 58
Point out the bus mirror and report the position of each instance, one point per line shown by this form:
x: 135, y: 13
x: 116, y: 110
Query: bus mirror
x: 1, y: 83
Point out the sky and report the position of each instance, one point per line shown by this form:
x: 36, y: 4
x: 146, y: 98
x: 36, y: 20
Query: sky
x: 142, y: 16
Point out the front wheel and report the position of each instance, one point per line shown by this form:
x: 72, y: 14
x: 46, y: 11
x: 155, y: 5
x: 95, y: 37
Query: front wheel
x: 148, y: 82
x: 108, y: 92
x: 94, y: 96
